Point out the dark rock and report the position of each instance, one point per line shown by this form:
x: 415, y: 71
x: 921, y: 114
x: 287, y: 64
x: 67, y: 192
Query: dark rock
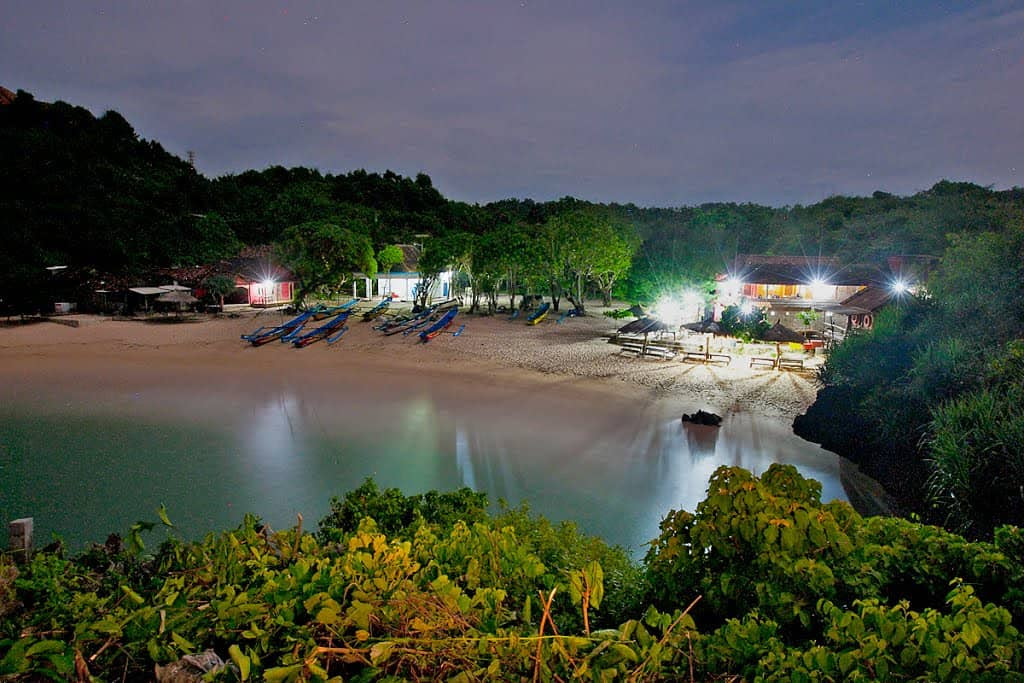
x: 703, y: 418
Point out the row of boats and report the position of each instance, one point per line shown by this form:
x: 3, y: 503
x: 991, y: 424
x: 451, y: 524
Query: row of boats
x: 541, y: 313
x: 429, y: 322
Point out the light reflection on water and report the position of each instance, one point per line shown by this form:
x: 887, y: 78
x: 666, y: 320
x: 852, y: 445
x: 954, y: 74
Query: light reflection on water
x: 85, y: 469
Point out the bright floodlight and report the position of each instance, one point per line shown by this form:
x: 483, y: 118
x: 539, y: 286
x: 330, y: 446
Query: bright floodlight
x: 267, y: 284
x: 669, y: 310
x: 731, y: 287
x: 900, y: 287
x: 819, y: 289
x: 691, y: 302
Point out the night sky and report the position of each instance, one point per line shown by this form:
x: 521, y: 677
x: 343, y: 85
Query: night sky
x: 656, y: 103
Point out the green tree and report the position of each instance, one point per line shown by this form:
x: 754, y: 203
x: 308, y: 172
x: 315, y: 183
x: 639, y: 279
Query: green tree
x: 587, y: 246
x: 211, y: 239
x: 220, y: 286
x: 516, y: 251
x: 388, y: 257
x: 323, y: 255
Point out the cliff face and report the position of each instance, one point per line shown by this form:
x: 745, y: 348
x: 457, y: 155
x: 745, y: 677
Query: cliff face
x: 6, y: 96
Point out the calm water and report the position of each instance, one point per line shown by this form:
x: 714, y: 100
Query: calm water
x: 86, y: 466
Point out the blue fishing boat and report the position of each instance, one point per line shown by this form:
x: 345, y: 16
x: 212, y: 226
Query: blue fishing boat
x: 443, y: 323
x: 328, y: 311
x: 267, y: 334
x: 415, y: 320
x: 323, y: 331
x: 539, y: 314
x: 377, y: 310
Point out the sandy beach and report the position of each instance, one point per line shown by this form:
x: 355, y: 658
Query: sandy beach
x: 574, y: 356
x: 551, y: 414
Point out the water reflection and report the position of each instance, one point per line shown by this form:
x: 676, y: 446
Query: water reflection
x: 289, y: 450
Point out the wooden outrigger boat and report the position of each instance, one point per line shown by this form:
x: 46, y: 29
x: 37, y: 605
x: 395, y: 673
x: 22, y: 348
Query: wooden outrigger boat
x: 443, y: 323
x: 263, y: 335
x: 406, y: 324
x: 539, y: 314
x: 323, y: 331
x: 376, y: 311
x: 327, y: 312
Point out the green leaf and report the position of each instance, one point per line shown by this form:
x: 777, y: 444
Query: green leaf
x: 133, y: 596
x: 380, y: 652
x: 185, y: 645
x: 279, y: 674
x: 241, y: 661
x: 359, y: 614
x: 624, y: 652
x: 162, y: 512
x: 971, y: 634
x: 44, y: 647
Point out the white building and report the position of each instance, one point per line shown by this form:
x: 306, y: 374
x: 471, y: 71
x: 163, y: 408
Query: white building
x: 404, y: 279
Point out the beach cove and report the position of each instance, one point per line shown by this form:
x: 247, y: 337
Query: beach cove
x: 103, y: 422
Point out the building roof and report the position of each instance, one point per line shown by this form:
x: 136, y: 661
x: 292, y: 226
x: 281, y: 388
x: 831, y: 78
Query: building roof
x: 870, y: 298
x: 165, y: 289
x: 761, y: 269
x: 253, y: 264
x: 257, y: 264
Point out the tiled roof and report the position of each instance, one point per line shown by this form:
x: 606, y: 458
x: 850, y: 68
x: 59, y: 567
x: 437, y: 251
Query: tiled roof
x: 801, y: 270
x: 869, y: 298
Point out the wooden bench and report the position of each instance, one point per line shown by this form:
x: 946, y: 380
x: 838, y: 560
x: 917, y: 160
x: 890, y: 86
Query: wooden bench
x: 763, y: 360
x: 703, y: 357
x: 650, y: 350
x: 790, y: 362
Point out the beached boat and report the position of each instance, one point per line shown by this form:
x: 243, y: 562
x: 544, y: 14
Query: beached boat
x: 268, y: 334
x: 377, y: 311
x: 417, y: 320
x: 539, y: 314
x: 571, y: 313
x: 323, y: 331
x: 442, y: 324
x: 327, y: 311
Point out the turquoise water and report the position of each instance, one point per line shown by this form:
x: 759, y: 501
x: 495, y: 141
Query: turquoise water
x: 87, y: 466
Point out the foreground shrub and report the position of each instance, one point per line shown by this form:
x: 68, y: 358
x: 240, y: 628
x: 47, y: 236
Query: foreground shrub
x: 780, y: 586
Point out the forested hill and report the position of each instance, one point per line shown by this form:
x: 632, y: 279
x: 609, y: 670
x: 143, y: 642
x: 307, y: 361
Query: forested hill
x: 85, y: 191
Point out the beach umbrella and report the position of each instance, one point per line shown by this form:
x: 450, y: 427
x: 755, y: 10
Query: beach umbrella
x: 704, y: 326
x: 177, y: 297
x: 780, y: 333
x: 643, y: 326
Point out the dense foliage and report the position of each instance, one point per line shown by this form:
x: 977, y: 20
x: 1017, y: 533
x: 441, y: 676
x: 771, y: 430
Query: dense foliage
x: 762, y: 581
x: 930, y: 398
x: 86, y: 192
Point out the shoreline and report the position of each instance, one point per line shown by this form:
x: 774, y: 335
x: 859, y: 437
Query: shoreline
x: 500, y: 377
x: 491, y: 350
